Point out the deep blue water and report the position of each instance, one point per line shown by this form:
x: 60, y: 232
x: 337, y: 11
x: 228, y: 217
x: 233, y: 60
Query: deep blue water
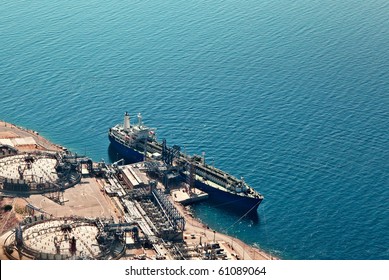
x: 292, y: 95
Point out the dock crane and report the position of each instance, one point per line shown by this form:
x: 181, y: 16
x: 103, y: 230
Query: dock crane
x: 115, y: 164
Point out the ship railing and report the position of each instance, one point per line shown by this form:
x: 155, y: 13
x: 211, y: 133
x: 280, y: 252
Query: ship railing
x: 120, y: 140
x: 214, y: 171
x: 210, y: 176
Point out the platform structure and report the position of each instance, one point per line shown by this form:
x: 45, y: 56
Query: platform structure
x: 38, y: 172
x: 185, y: 197
x: 65, y: 238
x: 139, y: 199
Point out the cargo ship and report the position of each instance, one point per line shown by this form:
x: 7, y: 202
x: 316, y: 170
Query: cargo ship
x: 137, y: 142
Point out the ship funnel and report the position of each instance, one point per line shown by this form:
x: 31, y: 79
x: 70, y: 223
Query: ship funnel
x: 126, y: 125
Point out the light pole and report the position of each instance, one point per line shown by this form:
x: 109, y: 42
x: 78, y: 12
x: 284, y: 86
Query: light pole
x: 214, y: 236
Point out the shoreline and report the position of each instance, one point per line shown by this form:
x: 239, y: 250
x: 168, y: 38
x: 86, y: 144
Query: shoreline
x: 9, y: 131
x: 195, y: 230
x: 234, y: 245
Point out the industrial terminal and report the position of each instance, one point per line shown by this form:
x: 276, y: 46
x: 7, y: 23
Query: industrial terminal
x: 56, y: 205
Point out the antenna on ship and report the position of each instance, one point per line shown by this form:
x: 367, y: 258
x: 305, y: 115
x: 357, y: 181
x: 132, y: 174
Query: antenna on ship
x: 203, y: 153
x: 126, y: 125
x: 139, y: 119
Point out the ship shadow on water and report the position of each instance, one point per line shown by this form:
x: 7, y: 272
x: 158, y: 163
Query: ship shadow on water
x: 228, y: 221
x: 236, y: 214
x: 113, y: 155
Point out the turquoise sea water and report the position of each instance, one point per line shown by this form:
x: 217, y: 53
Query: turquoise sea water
x: 292, y: 95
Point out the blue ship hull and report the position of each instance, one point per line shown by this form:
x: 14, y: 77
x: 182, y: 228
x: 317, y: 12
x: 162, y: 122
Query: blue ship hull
x: 128, y: 153
x: 227, y: 199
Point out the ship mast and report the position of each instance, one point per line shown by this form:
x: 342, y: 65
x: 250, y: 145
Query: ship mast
x: 139, y: 119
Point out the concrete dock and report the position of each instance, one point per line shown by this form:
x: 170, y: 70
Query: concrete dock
x: 187, y: 197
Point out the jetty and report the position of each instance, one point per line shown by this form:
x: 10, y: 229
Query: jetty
x: 57, y: 205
